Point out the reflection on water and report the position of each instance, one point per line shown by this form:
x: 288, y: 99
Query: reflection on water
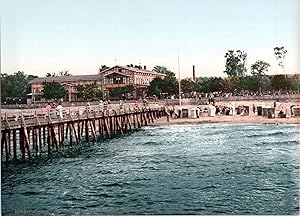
x: 180, y: 169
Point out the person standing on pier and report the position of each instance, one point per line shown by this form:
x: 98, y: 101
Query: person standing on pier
x: 48, y: 108
x: 59, y: 109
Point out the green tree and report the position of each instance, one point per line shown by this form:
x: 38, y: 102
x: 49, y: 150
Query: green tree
x: 15, y: 86
x: 64, y: 72
x: 170, y: 84
x: 119, y: 91
x: 53, y: 90
x: 202, y: 84
x: 187, y: 85
x: 231, y: 84
x: 102, y: 68
x: 235, y: 63
x: 258, y: 70
x: 155, y: 87
x: 280, y: 82
x: 279, y: 53
x: 295, y: 82
x: 89, y: 91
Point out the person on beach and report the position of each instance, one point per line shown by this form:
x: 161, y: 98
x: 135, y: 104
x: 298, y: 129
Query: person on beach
x: 59, y: 110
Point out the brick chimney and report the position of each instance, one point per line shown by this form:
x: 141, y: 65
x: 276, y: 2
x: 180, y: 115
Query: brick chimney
x: 194, y: 75
x: 145, y: 68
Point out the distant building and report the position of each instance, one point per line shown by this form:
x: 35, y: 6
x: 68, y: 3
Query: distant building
x: 117, y: 76
x: 120, y: 76
x: 69, y: 82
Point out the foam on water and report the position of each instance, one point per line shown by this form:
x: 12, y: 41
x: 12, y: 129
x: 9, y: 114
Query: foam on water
x: 180, y: 169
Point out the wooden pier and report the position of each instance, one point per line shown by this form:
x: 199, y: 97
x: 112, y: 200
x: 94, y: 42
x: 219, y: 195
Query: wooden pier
x: 31, y: 136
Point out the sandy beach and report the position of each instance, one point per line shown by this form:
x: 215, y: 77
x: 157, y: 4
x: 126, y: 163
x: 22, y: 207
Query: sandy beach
x: 251, y: 118
x: 226, y: 119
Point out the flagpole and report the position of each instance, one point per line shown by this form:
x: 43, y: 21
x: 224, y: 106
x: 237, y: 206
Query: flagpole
x: 179, y: 84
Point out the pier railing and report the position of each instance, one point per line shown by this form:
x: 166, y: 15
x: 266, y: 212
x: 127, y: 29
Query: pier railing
x: 28, y: 135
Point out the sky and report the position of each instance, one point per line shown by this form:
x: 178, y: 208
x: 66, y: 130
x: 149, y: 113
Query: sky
x: 46, y: 36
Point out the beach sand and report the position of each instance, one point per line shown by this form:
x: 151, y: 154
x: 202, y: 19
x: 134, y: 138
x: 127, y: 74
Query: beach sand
x: 226, y: 119
x: 251, y: 118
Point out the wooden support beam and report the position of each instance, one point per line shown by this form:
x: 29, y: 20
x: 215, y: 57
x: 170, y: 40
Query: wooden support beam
x: 87, y: 135
x: 71, y: 134
x: 15, y: 144
x: 54, y: 138
x: 27, y: 143
x: 106, y: 127
x: 40, y: 137
x: 75, y: 133
x: 3, y: 142
x: 22, y: 145
x: 93, y: 131
x: 49, y: 139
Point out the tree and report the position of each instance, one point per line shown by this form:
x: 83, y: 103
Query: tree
x: 280, y: 82
x: 119, y: 91
x: 170, y: 84
x: 248, y: 83
x: 15, y: 86
x: 235, y: 63
x: 102, y: 68
x: 295, y: 82
x: 64, y: 72
x: 279, y: 53
x: 258, y: 70
x: 231, y: 84
x: 156, y: 86
x: 53, y: 90
x: 202, y: 84
x: 187, y: 85
x: 89, y: 91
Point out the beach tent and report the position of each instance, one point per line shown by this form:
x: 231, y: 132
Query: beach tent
x: 194, y: 113
x: 296, y: 110
x: 211, y: 111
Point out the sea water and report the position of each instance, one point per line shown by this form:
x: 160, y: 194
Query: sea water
x: 178, y: 169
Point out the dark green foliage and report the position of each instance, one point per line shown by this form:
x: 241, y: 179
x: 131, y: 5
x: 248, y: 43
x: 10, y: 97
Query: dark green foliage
x: 156, y: 86
x: 280, y: 82
x: 169, y: 85
x: 258, y: 70
x: 102, y: 68
x: 279, y: 53
x: 15, y: 86
x: 53, y: 90
x: 119, y: 91
x: 187, y: 85
x: 235, y: 63
x: 208, y: 84
x: 89, y: 91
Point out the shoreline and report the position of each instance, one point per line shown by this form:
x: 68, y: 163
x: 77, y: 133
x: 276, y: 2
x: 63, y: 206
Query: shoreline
x: 225, y: 119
